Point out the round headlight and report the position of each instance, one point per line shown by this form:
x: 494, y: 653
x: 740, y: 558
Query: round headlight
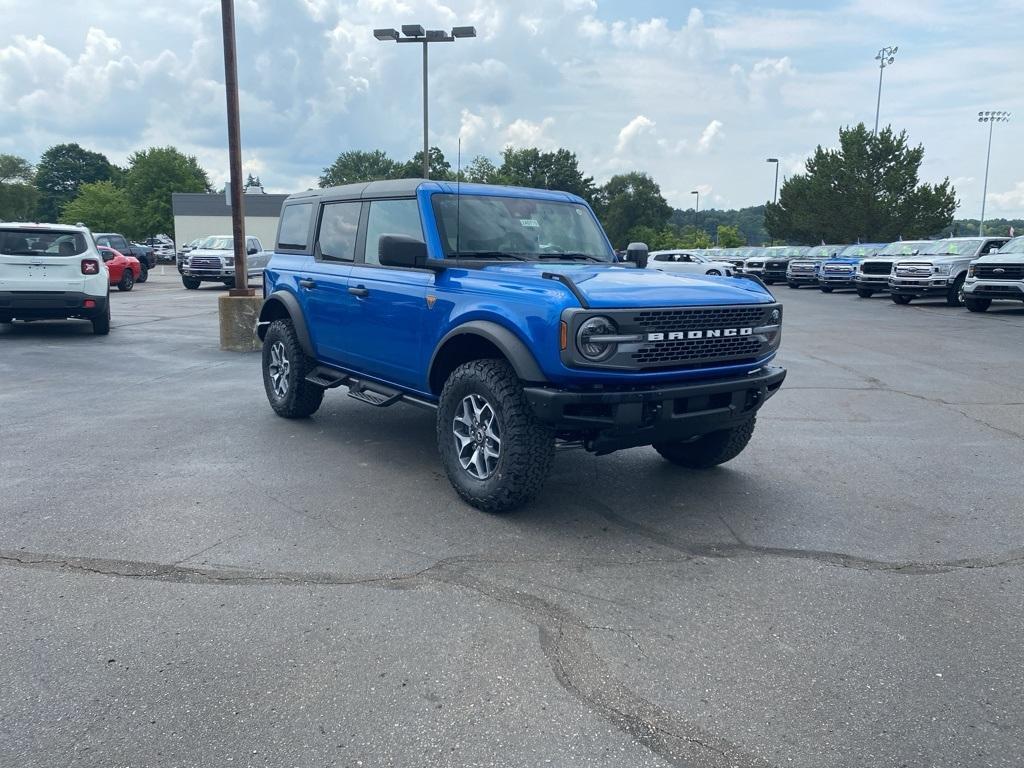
x: 596, y: 351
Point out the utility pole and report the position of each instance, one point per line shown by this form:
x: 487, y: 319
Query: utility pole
x: 775, y: 194
x: 415, y: 33
x: 885, y: 57
x: 696, y: 208
x: 991, y: 118
x: 241, y: 287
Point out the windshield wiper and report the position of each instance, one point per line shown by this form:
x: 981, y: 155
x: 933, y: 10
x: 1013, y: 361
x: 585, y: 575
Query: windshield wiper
x: 488, y: 255
x: 569, y: 256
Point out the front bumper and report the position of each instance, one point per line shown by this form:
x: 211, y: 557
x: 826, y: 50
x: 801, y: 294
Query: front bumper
x: 209, y: 273
x: 774, y: 274
x: 995, y: 289
x: 51, y: 305
x: 836, y: 281
x: 801, y: 278
x: 873, y: 282
x: 612, y: 420
x: 924, y: 286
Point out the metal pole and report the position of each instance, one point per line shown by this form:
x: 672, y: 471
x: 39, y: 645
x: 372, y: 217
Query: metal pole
x: 878, y: 104
x: 241, y: 287
x: 775, y: 196
x: 426, y: 140
x: 984, y: 189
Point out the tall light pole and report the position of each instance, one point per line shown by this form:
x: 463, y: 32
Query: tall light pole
x: 775, y: 195
x: 991, y: 118
x: 415, y: 33
x: 696, y: 208
x: 884, y: 57
x: 241, y: 286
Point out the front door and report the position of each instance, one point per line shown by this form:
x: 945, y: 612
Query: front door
x: 388, y: 305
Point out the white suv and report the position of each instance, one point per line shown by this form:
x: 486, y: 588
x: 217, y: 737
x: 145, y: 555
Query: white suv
x: 52, y: 271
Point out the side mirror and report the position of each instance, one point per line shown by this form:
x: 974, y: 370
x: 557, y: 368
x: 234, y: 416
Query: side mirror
x: 107, y: 255
x: 637, y: 254
x: 252, y: 251
x: 401, y: 251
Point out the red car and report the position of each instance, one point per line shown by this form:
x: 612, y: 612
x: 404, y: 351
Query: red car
x: 124, y: 270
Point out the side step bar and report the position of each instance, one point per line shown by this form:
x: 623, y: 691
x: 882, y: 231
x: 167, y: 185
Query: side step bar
x: 369, y: 392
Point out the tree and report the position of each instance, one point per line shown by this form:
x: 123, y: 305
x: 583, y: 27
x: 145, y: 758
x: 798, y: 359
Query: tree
x: 18, y: 195
x: 61, y: 171
x: 628, y: 201
x: 102, y: 207
x: 559, y: 170
x: 867, y: 188
x: 440, y: 168
x: 729, y: 237
x: 358, y: 165
x: 481, y: 171
x: 153, y: 174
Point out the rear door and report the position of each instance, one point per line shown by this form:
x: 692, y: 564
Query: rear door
x: 41, y: 260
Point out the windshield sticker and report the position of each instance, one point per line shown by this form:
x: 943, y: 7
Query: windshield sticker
x: 529, y: 223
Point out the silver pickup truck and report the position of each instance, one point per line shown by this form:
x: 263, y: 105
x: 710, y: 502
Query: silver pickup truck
x: 213, y: 261
x: 939, y: 269
x: 998, y: 275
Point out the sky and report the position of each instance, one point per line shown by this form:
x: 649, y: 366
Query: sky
x: 698, y: 96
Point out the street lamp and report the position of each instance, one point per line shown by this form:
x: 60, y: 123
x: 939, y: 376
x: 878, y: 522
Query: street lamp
x: 696, y: 208
x: 775, y: 195
x: 884, y: 57
x: 991, y: 118
x: 415, y: 33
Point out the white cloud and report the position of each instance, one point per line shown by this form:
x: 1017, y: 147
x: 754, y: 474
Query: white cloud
x: 524, y: 133
x: 639, y: 125
x: 1010, y: 201
x: 712, y: 132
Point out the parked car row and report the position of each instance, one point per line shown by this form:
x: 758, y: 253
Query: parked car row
x: 964, y: 271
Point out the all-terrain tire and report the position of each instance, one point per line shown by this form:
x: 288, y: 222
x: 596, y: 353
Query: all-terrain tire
x: 864, y: 293
x: 191, y: 283
x: 127, y: 280
x: 527, y: 447
x: 977, y: 305
x: 794, y: 286
x: 900, y: 299
x: 826, y: 289
x: 290, y: 395
x: 101, y: 324
x: 954, y: 297
x: 711, y: 449
x: 144, y: 274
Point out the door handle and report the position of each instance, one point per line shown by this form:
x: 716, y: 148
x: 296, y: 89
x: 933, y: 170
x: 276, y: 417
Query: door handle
x: 361, y: 292
x: 307, y: 283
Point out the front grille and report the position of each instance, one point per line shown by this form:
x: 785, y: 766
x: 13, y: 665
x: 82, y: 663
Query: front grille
x: 1005, y: 271
x: 775, y: 265
x: 838, y: 269
x: 204, y: 262
x: 681, y: 353
x: 666, y: 353
x: 754, y: 264
x: 802, y: 269
x: 669, y: 320
x: 913, y: 270
x: 876, y: 267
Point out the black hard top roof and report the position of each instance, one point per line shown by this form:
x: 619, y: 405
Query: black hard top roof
x: 364, y: 189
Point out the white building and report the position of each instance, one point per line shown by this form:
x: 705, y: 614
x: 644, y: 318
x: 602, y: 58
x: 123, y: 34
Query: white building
x: 198, y: 214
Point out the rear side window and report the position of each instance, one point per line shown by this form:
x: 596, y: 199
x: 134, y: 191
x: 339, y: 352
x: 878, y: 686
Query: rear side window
x: 390, y: 217
x: 29, y: 242
x: 294, y: 231
x: 339, y: 223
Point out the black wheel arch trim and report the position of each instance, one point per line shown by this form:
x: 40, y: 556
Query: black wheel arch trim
x: 294, y: 311
x: 510, y: 345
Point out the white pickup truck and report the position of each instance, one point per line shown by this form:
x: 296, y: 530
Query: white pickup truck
x: 998, y: 275
x: 213, y: 261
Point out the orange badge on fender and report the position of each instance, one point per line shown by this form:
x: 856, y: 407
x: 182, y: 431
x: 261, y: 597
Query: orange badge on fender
x: 430, y: 301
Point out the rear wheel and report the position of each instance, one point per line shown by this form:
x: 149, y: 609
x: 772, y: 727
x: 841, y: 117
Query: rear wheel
x: 127, y: 281
x: 711, y: 449
x: 864, y: 293
x: 714, y: 272
x: 977, y: 305
x: 900, y: 298
x: 285, y: 367
x: 144, y: 273
x: 190, y: 282
x: 955, y: 295
x: 494, y: 451
x: 101, y: 324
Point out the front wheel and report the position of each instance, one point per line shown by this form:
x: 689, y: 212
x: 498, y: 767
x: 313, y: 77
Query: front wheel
x: 285, y: 367
x: 127, y: 281
x: 794, y: 286
x: 713, y: 272
x: 494, y: 451
x: 143, y: 272
x: 900, y: 299
x: 711, y: 449
x: 865, y: 294
x: 955, y: 295
x: 977, y: 305
x: 826, y: 289
x: 191, y: 283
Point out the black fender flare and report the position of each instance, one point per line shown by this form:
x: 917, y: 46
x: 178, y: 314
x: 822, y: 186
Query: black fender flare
x: 269, y: 312
x: 514, y: 350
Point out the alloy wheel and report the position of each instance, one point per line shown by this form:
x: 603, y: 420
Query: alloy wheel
x: 278, y: 369
x: 477, y: 436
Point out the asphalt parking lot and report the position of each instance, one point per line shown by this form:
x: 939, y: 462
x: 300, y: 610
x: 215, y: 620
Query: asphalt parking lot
x: 188, y: 580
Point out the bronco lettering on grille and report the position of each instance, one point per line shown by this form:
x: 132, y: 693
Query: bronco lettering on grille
x: 708, y: 334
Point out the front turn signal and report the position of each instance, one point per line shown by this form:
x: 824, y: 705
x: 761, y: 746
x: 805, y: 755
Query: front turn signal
x: 563, y: 335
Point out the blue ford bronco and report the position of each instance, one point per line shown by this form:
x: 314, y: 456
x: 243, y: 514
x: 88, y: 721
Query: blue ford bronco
x: 507, y: 312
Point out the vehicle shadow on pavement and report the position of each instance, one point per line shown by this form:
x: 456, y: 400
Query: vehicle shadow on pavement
x: 46, y: 328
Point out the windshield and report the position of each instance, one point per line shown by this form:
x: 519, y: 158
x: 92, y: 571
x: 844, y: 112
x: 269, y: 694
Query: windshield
x: 216, y: 243
x: 950, y: 247
x: 822, y: 251
x: 858, y: 251
x: 904, y: 248
x: 32, y: 242
x: 1014, y: 246
x: 518, y: 228
x: 795, y: 250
